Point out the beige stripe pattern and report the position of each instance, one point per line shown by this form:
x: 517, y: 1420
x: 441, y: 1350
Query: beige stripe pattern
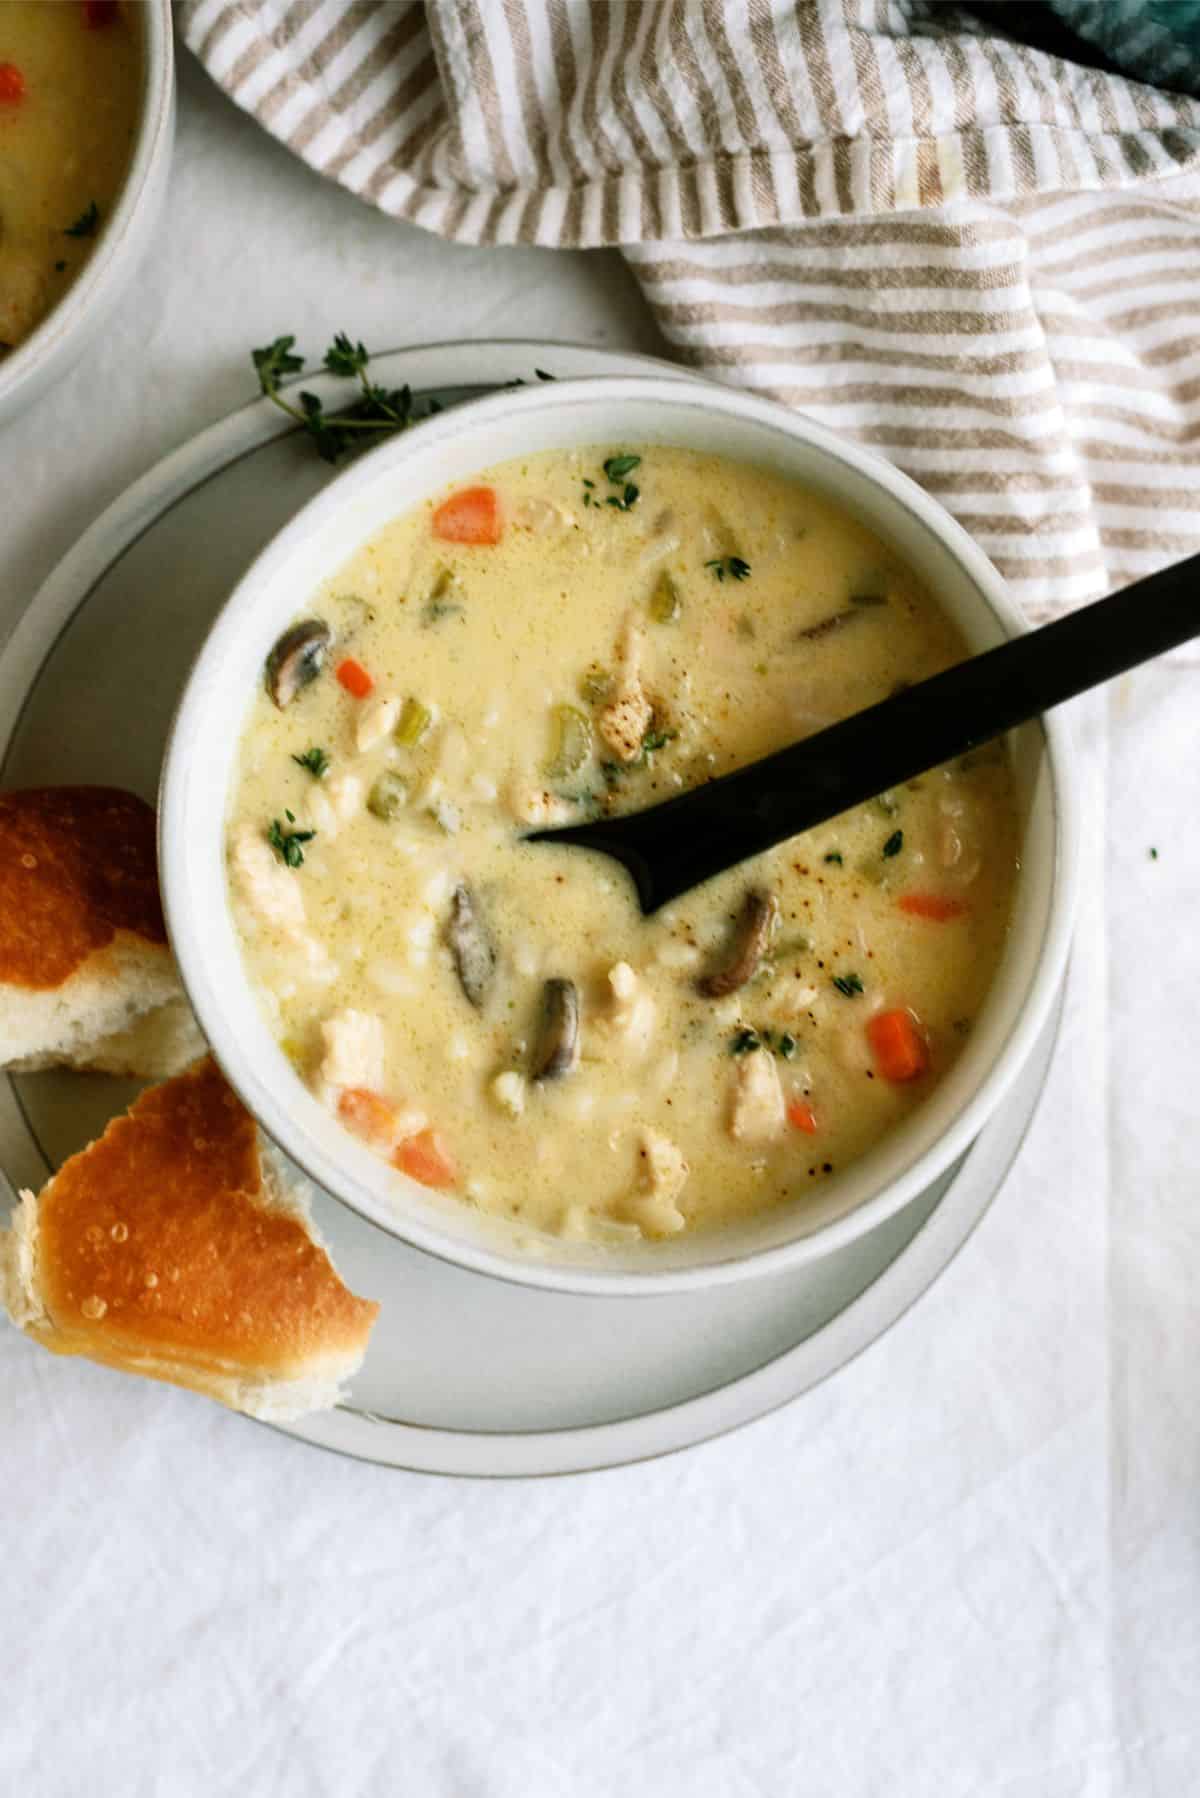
x: 977, y: 258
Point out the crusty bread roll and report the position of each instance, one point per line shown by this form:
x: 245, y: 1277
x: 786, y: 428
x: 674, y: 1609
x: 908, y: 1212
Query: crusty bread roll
x: 173, y: 1247
x: 86, y: 977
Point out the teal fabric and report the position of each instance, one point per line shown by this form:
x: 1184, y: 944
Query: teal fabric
x: 1153, y: 40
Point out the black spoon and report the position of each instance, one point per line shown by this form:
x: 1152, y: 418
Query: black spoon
x: 672, y: 847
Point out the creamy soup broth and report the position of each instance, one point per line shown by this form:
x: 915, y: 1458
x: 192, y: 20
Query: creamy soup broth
x: 731, y: 1052
x: 70, y: 84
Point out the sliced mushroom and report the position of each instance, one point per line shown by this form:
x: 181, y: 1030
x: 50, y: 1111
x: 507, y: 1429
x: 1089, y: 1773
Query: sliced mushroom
x: 827, y: 627
x: 752, y: 937
x: 296, y: 659
x: 557, y: 1051
x: 471, y: 946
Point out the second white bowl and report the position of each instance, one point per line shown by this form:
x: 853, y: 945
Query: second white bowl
x: 90, y: 302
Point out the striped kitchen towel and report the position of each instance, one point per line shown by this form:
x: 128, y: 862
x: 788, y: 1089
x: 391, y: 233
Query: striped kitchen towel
x: 975, y: 256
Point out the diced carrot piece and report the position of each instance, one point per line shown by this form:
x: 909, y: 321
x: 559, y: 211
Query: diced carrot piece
x: 12, y: 84
x: 369, y: 1115
x: 426, y: 1158
x: 933, y: 905
x: 801, y: 1116
x: 97, y: 13
x: 898, y: 1046
x: 354, y: 677
x: 472, y: 516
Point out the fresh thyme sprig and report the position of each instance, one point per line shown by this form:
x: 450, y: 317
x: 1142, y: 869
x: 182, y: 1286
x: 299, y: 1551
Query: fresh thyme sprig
x: 287, y: 843
x: 377, y: 412
x: 315, y: 760
x: 720, y: 566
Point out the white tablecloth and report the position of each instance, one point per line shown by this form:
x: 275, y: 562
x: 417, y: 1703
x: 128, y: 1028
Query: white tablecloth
x: 968, y: 1565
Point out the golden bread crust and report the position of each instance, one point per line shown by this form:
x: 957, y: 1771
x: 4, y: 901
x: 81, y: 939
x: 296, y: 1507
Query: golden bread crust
x: 77, y: 865
x: 160, y: 1249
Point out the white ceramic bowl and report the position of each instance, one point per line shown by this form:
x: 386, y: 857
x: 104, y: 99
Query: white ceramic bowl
x: 200, y: 763
x: 90, y: 301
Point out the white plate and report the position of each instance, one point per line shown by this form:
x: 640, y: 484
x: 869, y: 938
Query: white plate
x: 465, y: 1375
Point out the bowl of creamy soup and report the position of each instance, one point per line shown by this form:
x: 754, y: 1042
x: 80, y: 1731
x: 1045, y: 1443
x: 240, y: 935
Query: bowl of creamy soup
x: 551, y: 605
x: 86, y: 107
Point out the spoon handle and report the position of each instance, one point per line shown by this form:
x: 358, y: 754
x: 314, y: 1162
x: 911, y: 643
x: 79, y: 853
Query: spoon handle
x: 672, y: 847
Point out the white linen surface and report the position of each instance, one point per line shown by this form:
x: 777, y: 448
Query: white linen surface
x: 966, y: 1567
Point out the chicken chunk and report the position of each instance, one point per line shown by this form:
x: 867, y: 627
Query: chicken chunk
x: 353, y: 1050
x: 345, y: 795
x: 791, y: 997
x: 534, y: 805
x: 374, y: 721
x: 957, y: 851
x: 662, y: 1176
x: 758, y: 1112
x: 508, y: 1091
x: 628, y: 1021
x: 270, y: 890
x: 624, y: 721
x: 541, y: 516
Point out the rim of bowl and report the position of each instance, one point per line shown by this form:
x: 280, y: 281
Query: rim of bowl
x: 104, y: 268
x: 1045, y: 977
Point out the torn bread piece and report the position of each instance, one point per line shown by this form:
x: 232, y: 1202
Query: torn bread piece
x: 175, y: 1247
x: 86, y: 977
